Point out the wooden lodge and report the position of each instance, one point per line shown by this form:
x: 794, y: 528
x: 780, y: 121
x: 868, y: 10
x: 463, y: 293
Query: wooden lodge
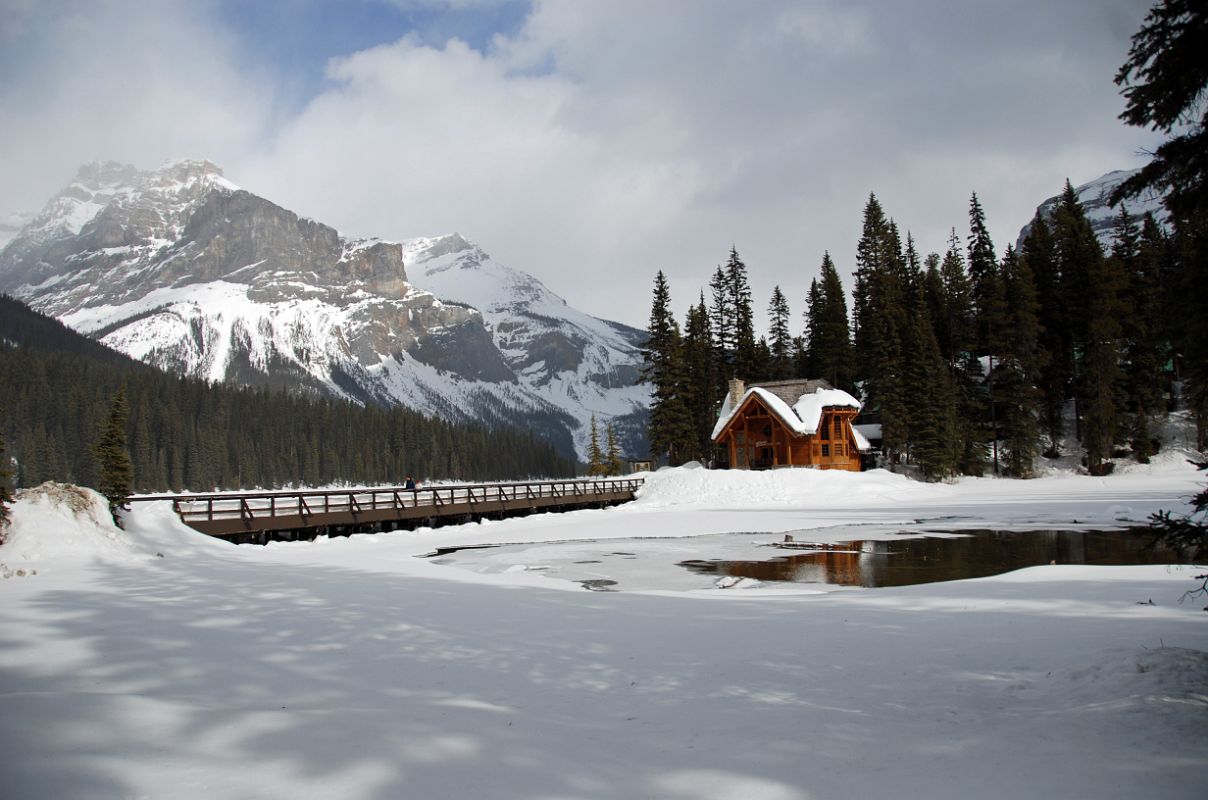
x: 789, y: 424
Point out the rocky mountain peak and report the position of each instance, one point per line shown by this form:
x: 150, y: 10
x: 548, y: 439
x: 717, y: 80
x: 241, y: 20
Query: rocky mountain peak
x: 1094, y: 195
x: 446, y: 245
x: 181, y: 268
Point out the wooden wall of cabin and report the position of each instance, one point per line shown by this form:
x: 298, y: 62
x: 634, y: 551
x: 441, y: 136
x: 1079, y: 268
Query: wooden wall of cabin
x: 743, y: 439
x: 834, y: 447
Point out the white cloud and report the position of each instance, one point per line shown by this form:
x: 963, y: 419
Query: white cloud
x: 605, y: 141
x: 132, y: 82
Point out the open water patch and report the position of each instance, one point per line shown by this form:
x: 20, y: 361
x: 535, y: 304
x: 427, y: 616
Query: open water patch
x: 932, y: 558
x: 742, y: 560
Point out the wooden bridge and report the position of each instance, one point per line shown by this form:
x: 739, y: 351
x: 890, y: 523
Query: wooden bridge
x: 259, y: 517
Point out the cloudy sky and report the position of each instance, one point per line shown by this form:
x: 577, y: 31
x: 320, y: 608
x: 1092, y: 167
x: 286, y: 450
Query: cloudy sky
x: 588, y: 143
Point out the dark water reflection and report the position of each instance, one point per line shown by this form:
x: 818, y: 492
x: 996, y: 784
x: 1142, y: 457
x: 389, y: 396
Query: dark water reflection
x: 973, y: 554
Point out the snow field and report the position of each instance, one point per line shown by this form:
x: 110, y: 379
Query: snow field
x: 350, y: 668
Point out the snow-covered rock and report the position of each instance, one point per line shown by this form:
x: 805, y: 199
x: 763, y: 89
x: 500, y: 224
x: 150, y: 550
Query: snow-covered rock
x: 181, y: 268
x: 56, y: 524
x: 1093, y: 196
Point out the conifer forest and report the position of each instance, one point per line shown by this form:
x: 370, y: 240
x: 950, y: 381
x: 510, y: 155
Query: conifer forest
x: 973, y: 361
x: 186, y: 434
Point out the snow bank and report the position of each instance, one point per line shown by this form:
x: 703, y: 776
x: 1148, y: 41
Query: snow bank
x: 60, y: 523
x: 782, y: 488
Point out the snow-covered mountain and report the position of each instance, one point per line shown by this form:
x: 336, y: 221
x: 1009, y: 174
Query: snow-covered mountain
x: 11, y: 224
x: 1094, y: 195
x: 181, y: 268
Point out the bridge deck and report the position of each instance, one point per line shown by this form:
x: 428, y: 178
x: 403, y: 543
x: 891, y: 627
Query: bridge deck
x: 259, y: 516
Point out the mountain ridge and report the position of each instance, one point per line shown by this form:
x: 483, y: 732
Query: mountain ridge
x: 181, y: 268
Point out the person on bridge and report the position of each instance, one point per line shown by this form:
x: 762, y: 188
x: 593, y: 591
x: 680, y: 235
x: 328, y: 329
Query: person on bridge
x: 410, y: 484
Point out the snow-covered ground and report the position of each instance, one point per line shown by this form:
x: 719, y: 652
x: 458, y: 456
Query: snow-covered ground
x: 159, y: 663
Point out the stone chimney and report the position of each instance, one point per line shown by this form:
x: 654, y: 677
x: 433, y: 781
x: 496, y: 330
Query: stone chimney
x: 737, y: 390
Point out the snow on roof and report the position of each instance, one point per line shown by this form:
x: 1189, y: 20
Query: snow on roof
x: 804, y: 415
x: 809, y: 406
x: 862, y: 444
x: 723, y: 417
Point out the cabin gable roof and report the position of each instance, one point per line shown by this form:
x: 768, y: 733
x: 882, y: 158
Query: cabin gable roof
x: 798, y: 405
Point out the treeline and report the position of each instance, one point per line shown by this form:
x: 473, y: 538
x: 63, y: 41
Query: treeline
x: 969, y: 361
x: 185, y: 434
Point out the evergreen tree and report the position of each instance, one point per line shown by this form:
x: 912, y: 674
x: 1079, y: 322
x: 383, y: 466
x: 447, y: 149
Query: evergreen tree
x: 700, y: 385
x: 1077, y: 251
x: 613, y: 463
x: 932, y: 410
x: 1022, y: 363
x: 670, y: 429
x: 881, y: 325
x: 6, y: 496
x: 113, y: 468
x: 1079, y: 260
x: 1191, y: 248
x: 738, y: 295
x: 1186, y: 534
x: 912, y: 275
x: 984, y: 278
x: 761, y: 360
x: 1095, y: 305
x: 722, y: 318
x: 595, y: 456
x: 1143, y: 347
x: 933, y: 293
x: 1164, y: 82
x: 870, y: 261
x: 990, y: 315
x: 956, y: 336
x: 1056, y: 338
x: 1102, y: 378
x: 829, y: 343
x: 808, y: 364
x: 954, y: 329
x: 781, y: 344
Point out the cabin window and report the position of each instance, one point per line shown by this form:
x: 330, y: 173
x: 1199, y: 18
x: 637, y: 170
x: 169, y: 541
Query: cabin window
x: 825, y: 450
x: 838, y: 428
x: 825, y: 430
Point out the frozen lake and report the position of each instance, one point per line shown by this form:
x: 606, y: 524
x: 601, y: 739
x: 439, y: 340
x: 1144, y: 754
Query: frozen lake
x: 747, y: 560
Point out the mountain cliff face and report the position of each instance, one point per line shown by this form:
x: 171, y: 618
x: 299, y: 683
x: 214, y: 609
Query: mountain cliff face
x: 1093, y: 196
x: 180, y: 268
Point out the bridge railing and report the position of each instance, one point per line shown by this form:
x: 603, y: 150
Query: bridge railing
x: 258, y: 507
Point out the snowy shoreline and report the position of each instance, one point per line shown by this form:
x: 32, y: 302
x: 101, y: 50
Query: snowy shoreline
x: 157, y: 662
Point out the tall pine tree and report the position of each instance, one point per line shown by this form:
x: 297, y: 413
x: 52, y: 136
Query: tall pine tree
x: 1144, y: 362
x: 1056, y: 338
x: 932, y: 410
x: 1102, y: 380
x: 881, y: 324
x: 614, y: 464
x: 595, y: 456
x: 738, y: 297
x: 989, y: 310
x: 830, y: 345
x: 700, y: 387
x: 670, y: 429
x: 1023, y: 360
x: 1164, y: 81
x: 115, y: 474
x: 780, y: 344
x: 6, y: 496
